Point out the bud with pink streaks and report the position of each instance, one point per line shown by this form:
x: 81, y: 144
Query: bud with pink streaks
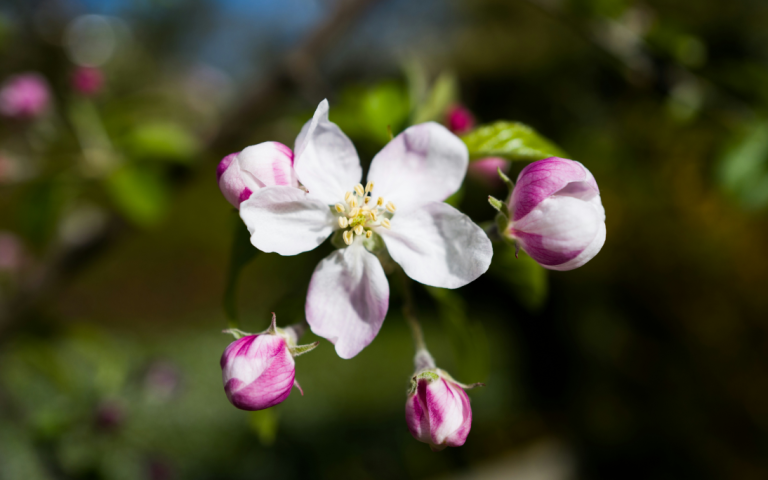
x: 437, y: 410
x: 556, y: 215
x: 24, y: 96
x: 259, y: 370
x: 263, y: 165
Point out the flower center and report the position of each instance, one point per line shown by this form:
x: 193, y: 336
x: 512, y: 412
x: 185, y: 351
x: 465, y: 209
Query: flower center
x: 359, y: 212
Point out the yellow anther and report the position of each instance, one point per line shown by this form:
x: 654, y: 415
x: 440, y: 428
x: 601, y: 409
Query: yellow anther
x: 391, y: 207
x: 359, y: 230
x: 380, y: 201
x: 367, y: 199
x: 385, y: 223
x: 352, y: 202
x: 359, y: 189
x: 369, y: 187
x: 354, y: 212
x: 340, y: 208
x: 343, y: 222
x: 347, y: 236
x: 373, y: 215
x: 368, y: 234
x: 347, y: 195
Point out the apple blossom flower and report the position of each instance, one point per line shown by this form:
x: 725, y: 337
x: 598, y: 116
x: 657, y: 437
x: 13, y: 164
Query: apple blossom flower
x: 400, y: 207
x: 24, y: 96
x: 437, y: 410
x: 87, y: 80
x: 460, y: 119
x: 556, y: 215
x: 266, y: 164
x: 258, y: 370
x: 486, y: 170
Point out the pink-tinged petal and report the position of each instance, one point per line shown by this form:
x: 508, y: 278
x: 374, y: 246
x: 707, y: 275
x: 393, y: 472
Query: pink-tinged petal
x: 230, y: 180
x: 559, y: 229
x: 486, y: 170
x: 286, y: 220
x: 258, y: 166
x: 326, y: 161
x: 459, y: 436
x: 551, y: 176
x: 417, y: 419
x: 586, y: 255
x: 258, y: 372
x: 426, y: 163
x: 445, y: 408
x: 269, y: 163
x: 348, y: 299
x: 438, y: 245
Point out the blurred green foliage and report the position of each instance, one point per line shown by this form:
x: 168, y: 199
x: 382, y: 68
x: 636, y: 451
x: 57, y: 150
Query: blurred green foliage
x: 648, y: 362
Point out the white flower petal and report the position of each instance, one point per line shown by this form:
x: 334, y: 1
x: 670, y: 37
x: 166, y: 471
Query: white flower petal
x: 286, y: 220
x: 559, y: 230
x: 438, y: 245
x: 326, y: 161
x: 348, y: 299
x: 586, y: 255
x: 426, y: 163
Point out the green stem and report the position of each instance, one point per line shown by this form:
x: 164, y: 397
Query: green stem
x: 423, y: 358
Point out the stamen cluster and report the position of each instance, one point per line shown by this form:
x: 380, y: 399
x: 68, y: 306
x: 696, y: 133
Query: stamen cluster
x: 359, y: 212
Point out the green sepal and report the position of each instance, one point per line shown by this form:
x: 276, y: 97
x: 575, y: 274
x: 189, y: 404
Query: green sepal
x: 504, y: 178
x: 374, y: 244
x: 337, y: 239
x: 237, y: 333
x: 495, y: 203
x: 302, y: 349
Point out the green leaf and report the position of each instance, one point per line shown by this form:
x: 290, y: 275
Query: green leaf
x: 139, y: 193
x: 264, y: 423
x: 743, y: 169
x: 163, y: 141
x: 467, y: 337
x: 241, y: 254
x: 510, y: 140
x: 526, y: 279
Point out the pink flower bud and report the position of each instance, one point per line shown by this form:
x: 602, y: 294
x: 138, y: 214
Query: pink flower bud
x: 437, y: 410
x: 258, y: 371
x: 486, y: 170
x: 262, y: 165
x: 24, y: 96
x: 87, y: 80
x: 460, y: 119
x: 556, y: 213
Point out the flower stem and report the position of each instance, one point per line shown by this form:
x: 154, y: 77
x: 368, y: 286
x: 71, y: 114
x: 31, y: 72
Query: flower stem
x: 423, y: 358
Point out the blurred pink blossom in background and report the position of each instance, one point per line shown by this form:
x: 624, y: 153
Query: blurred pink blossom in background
x: 460, y: 119
x: 11, y: 252
x: 486, y: 170
x: 87, y: 81
x: 24, y: 96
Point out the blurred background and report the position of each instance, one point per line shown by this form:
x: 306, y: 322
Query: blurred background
x: 651, y: 361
